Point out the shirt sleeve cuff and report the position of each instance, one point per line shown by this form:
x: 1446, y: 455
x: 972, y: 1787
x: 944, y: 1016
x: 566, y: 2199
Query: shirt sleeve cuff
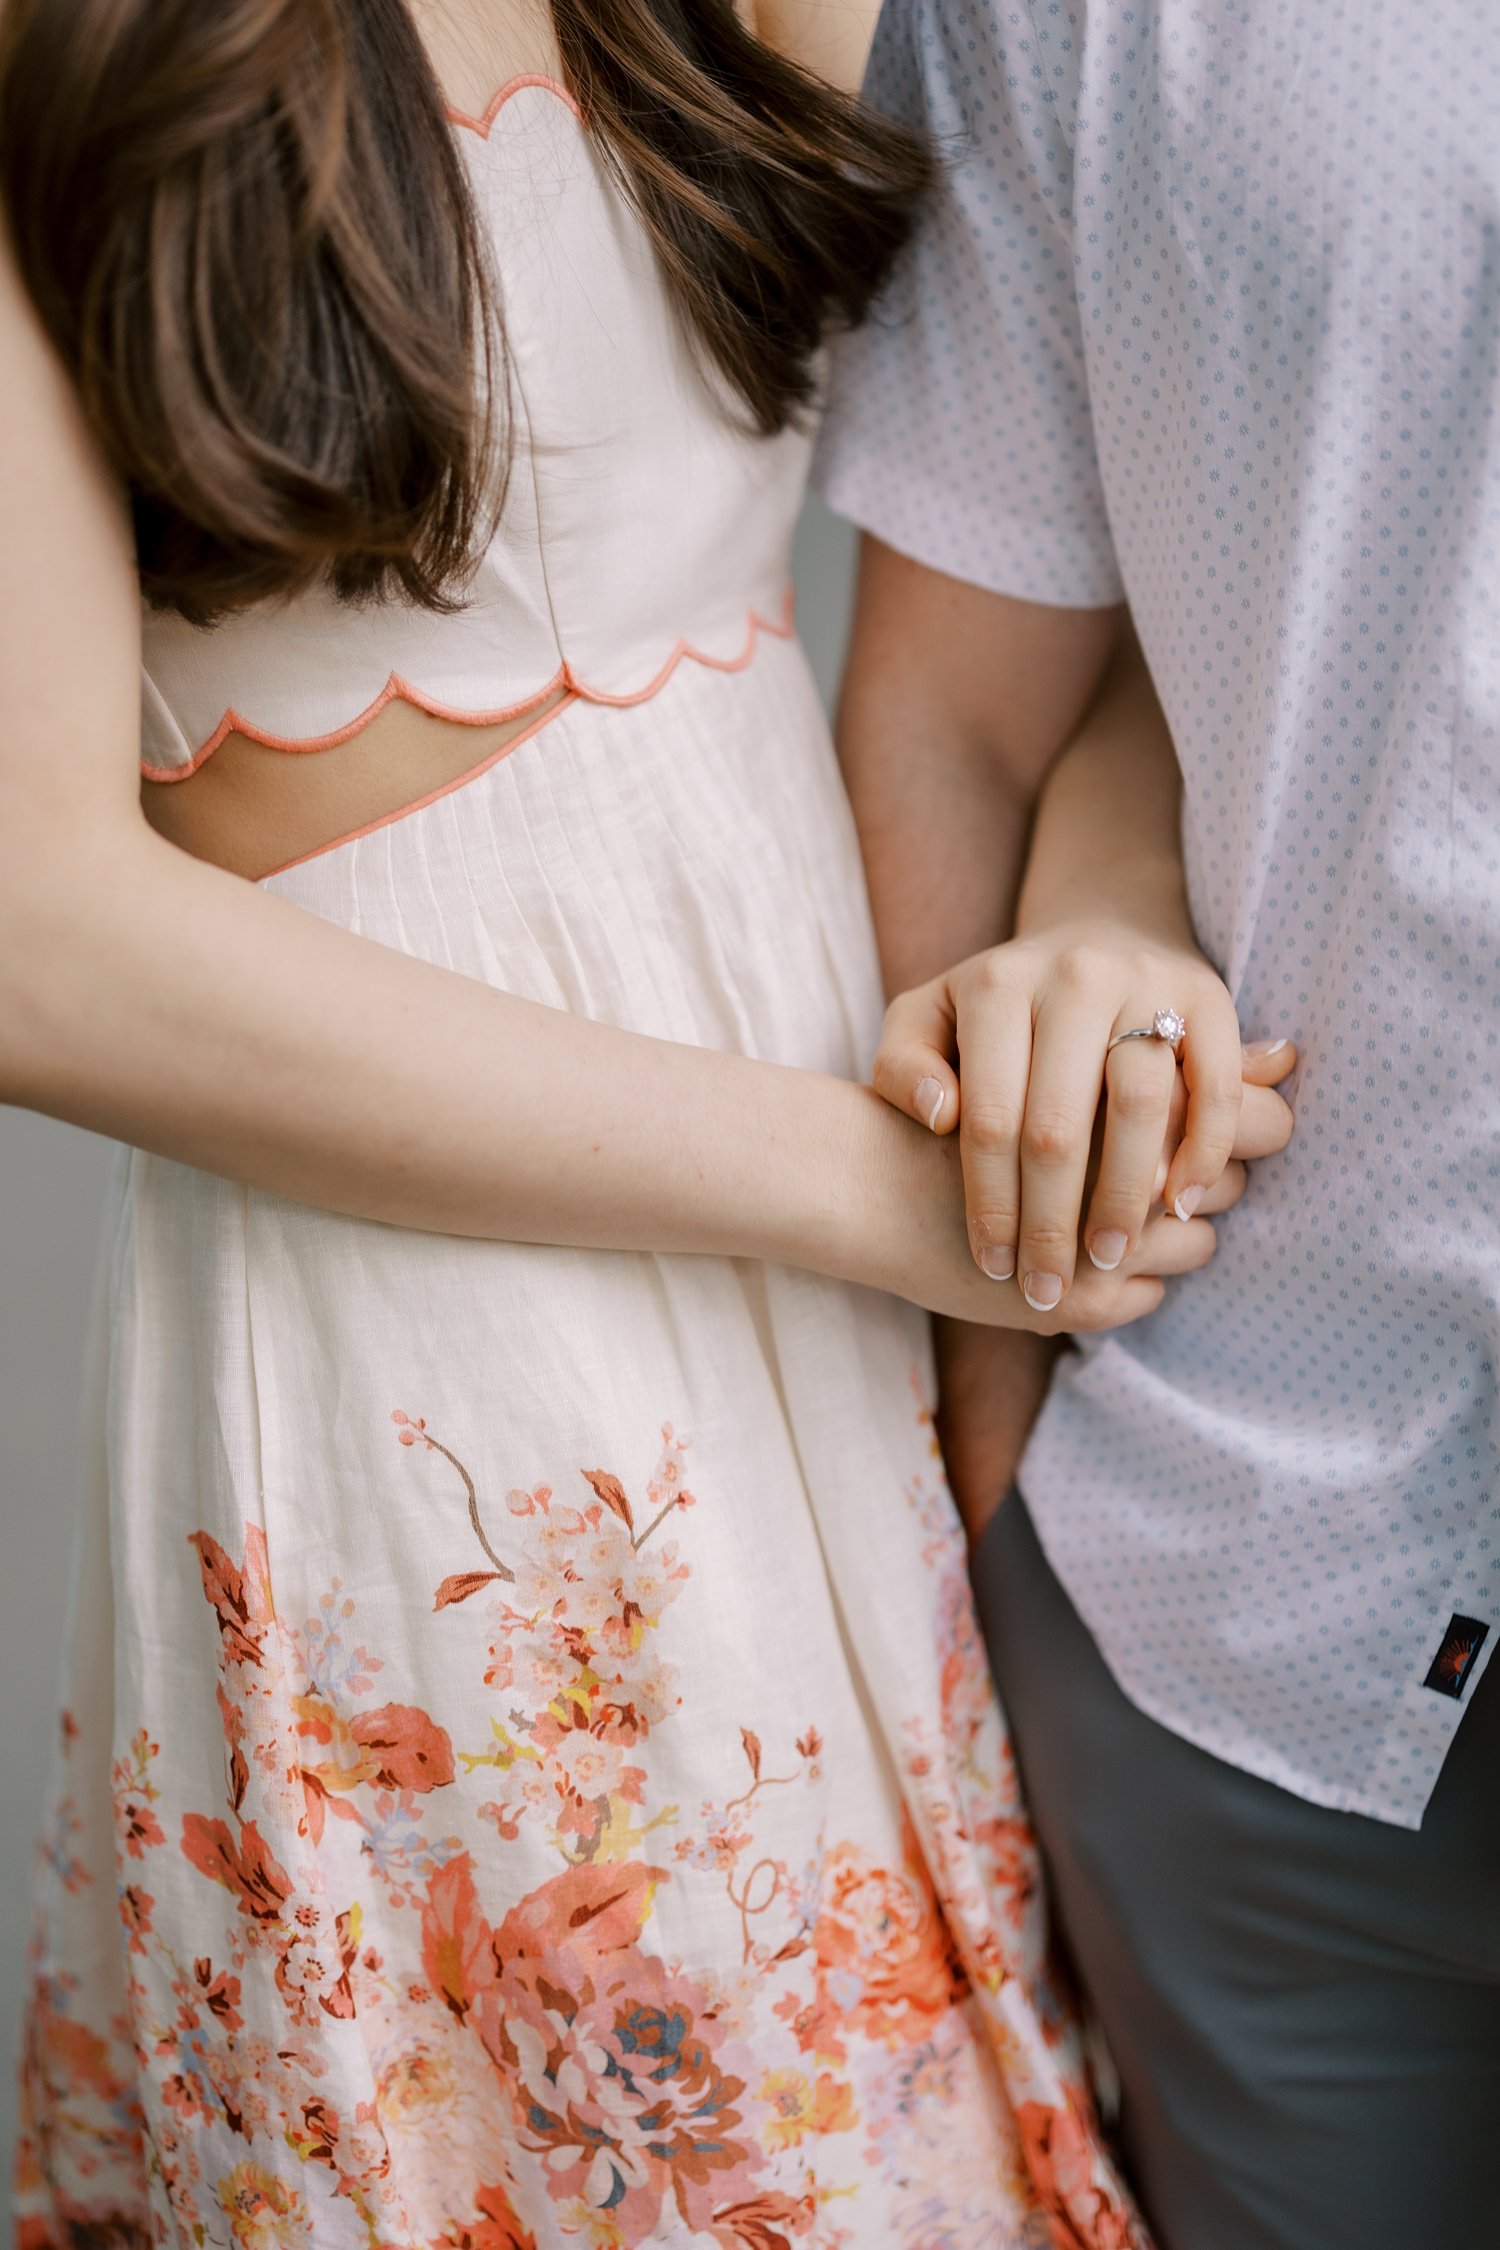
x: 1067, y: 564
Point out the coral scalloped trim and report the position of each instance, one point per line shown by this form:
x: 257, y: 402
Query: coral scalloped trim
x: 396, y: 689
x: 481, y: 125
x: 419, y: 804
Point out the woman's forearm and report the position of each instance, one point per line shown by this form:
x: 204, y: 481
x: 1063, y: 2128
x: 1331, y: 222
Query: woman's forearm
x: 150, y: 997
x: 1106, y: 837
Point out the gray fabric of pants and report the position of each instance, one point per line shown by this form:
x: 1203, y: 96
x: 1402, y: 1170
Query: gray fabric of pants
x: 1303, y: 2005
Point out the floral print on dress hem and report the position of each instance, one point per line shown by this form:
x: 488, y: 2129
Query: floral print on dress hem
x: 376, y: 2038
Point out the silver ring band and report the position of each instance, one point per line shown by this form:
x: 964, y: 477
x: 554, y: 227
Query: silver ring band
x: 1166, y: 1025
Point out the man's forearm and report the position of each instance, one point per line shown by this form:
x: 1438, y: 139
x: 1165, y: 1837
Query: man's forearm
x: 955, y: 704
x: 955, y: 707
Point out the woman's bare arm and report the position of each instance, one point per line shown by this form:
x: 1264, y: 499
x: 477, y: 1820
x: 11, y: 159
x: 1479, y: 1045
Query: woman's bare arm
x: 161, y: 1000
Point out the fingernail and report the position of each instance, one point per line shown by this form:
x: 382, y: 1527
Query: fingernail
x: 930, y: 1099
x: 1108, y: 1249
x: 998, y: 1262
x: 1255, y: 1049
x: 1188, y: 1202
x: 1042, y: 1291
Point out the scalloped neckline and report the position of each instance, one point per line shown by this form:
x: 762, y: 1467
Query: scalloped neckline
x: 497, y: 101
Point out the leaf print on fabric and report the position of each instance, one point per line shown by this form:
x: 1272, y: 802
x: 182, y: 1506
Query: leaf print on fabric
x: 135, y: 1793
x: 462, y: 1584
x: 403, y: 1747
x: 244, y: 1865
x: 610, y: 1490
x: 727, y: 1833
x: 240, y: 1596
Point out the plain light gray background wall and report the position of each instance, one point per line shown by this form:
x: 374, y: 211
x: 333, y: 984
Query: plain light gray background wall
x: 51, y: 1195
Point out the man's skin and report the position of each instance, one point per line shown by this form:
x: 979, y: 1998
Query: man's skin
x: 970, y: 726
x: 955, y: 702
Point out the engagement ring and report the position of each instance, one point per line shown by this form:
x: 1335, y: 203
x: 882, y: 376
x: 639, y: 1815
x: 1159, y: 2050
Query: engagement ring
x: 1166, y: 1025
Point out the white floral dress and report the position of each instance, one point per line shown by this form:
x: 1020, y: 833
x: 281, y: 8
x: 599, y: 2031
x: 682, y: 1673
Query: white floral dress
x: 529, y: 1774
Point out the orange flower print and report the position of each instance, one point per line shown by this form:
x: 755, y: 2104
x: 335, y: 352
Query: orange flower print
x: 535, y: 1982
x: 495, y: 2225
x: 800, y: 2105
x: 263, y: 2212
x: 1064, y: 2167
x: 886, y: 1964
x: 623, y: 2077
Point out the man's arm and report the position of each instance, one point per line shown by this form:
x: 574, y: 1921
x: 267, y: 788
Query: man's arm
x: 974, y: 730
x: 955, y: 702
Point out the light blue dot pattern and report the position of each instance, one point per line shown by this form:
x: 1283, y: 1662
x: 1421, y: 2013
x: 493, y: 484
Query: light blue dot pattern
x: 1208, y: 314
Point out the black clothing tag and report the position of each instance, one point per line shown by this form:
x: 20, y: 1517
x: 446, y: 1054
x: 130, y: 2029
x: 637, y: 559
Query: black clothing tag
x: 1456, y: 1658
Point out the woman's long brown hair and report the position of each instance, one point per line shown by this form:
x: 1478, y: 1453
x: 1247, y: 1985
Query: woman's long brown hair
x: 248, y: 231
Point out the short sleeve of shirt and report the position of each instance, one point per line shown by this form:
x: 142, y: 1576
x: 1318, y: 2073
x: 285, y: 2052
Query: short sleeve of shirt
x: 958, y: 427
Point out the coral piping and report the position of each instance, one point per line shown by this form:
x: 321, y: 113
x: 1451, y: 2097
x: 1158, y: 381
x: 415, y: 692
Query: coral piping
x: 395, y: 690
x: 398, y: 689
x: 481, y: 125
x: 419, y: 804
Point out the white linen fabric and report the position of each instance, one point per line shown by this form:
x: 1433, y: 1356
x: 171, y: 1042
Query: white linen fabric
x: 1207, y: 315
x: 530, y: 1775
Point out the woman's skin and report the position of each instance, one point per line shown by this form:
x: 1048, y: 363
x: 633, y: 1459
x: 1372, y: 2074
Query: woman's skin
x: 156, y: 997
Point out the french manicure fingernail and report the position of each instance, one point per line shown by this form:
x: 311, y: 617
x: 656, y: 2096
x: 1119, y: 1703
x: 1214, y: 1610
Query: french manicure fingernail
x: 1107, y: 1249
x: 1188, y: 1202
x: 930, y: 1097
x: 1042, y: 1291
x: 1257, y: 1049
x: 998, y: 1262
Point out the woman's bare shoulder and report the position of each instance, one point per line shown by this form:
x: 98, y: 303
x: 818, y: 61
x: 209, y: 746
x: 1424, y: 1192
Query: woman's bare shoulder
x: 831, y: 38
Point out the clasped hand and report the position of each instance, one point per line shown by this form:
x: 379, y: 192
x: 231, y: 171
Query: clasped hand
x: 1090, y: 1172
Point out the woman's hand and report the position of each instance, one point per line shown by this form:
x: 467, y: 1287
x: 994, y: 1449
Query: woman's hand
x: 992, y: 1382
x: 1031, y: 1022
x: 905, y: 1230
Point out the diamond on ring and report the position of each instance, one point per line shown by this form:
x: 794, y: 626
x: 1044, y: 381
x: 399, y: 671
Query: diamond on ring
x: 1167, y: 1024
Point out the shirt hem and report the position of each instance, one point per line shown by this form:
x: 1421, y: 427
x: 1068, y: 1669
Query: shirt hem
x: 1252, y: 1758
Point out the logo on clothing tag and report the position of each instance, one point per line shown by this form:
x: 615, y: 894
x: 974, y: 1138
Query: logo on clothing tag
x: 1456, y: 1659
